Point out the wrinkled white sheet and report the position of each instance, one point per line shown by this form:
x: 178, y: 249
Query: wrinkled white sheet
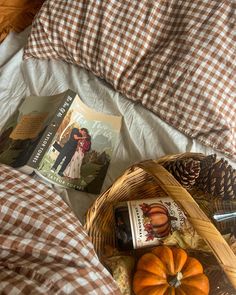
x: 143, y: 135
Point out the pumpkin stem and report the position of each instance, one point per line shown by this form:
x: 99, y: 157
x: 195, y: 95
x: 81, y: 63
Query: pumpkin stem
x: 173, y: 218
x: 175, y: 281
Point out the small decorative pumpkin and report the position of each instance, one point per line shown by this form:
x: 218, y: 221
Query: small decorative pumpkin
x: 169, y: 271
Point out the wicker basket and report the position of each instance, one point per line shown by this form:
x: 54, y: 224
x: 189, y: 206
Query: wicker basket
x: 149, y: 179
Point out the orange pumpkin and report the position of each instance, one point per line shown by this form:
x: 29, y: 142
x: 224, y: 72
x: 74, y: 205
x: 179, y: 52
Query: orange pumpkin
x: 169, y: 271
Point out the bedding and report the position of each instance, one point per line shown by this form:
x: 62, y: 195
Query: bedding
x: 143, y: 135
x: 16, y: 15
x: 43, y: 247
x: 37, y: 229
x: 176, y: 58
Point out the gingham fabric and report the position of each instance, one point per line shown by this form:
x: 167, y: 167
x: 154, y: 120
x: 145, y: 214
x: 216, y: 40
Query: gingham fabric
x: 43, y: 248
x: 177, y: 58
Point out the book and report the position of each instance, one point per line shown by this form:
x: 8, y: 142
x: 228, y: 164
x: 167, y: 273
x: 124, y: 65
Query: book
x: 60, y: 139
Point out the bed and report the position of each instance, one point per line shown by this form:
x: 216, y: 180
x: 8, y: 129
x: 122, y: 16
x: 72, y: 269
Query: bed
x: 145, y: 133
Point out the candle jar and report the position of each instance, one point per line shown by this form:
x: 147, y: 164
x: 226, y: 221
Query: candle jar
x: 145, y: 223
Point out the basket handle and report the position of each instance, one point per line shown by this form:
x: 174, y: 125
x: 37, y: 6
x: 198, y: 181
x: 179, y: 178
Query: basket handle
x: 196, y: 216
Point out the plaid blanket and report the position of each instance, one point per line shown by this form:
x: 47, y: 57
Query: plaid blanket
x: 177, y: 58
x: 43, y: 248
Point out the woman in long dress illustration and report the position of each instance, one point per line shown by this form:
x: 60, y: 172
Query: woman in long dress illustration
x: 84, y: 144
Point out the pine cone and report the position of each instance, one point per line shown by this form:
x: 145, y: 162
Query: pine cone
x: 208, y: 162
x: 186, y: 171
x: 219, y: 179
x: 205, y: 165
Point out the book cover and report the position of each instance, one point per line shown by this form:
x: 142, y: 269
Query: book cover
x: 80, y: 152
x: 23, y: 131
x: 62, y: 140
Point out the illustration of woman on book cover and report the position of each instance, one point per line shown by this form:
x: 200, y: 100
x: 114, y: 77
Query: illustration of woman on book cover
x: 84, y: 144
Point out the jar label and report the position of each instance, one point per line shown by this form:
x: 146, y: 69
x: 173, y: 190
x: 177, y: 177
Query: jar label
x: 152, y: 220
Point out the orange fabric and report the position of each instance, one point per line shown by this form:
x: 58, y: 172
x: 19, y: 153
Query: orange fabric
x: 16, y: 15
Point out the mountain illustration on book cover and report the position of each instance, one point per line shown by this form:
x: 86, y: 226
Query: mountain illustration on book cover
x: 70, y: 146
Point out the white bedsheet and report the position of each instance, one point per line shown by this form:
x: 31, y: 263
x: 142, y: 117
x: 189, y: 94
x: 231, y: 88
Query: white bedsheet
x: 143, y: 135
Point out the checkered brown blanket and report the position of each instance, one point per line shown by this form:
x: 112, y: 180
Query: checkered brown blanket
x: 177, y: 58
x: 43, y: 247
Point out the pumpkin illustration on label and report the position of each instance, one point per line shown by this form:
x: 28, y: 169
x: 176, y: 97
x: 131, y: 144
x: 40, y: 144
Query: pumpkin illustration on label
x: 157, y: 220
